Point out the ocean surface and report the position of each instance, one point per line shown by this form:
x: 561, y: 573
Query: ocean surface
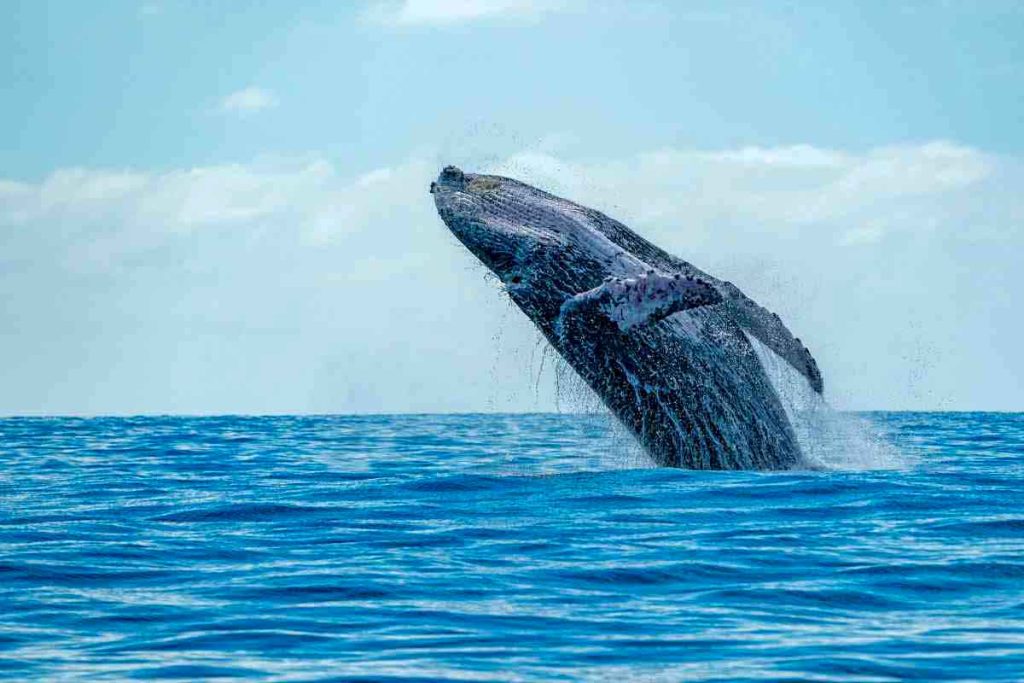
x: 501, y: 547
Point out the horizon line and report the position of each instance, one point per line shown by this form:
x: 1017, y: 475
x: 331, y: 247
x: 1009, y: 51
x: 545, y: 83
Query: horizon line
x: 478, y: 413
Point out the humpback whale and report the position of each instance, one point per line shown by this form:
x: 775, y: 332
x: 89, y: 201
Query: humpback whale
x: 669, y: 349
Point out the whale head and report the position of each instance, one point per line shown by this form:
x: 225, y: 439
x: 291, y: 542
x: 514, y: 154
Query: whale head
x: 542, y: 248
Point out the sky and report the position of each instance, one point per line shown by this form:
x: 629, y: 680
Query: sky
x: 223, y: 207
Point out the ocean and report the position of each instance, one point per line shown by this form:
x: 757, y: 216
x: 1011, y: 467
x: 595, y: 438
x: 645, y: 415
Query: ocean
x: 501, y: 547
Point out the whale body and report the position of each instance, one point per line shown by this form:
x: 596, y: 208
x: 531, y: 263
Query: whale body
x: 669, y: 349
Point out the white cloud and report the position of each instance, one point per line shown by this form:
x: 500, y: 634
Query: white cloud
x: 783, y: 190
x: 248, y: 100
x: 441, y: 12
x: 304, y: 286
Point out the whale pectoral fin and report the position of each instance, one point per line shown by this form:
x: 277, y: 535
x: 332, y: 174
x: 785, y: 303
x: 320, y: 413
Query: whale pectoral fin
x: 768, y: 329
x: 632, y: 303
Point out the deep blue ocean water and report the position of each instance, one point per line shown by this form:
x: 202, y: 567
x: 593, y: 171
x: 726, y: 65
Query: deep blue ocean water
x: 499, y: 547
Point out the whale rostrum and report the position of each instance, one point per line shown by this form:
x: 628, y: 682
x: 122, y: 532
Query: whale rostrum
x: 668, y: 348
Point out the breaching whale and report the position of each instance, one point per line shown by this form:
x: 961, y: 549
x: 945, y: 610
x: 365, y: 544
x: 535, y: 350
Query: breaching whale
x: 668, y: 348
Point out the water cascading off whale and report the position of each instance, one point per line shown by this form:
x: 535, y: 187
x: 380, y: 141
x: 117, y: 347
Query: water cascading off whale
x: 668, y: 348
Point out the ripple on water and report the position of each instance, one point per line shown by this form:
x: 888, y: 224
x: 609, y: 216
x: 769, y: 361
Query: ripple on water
x: 484, y: 547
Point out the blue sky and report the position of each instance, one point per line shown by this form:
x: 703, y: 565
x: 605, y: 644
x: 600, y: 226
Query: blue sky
x: 222, y: 207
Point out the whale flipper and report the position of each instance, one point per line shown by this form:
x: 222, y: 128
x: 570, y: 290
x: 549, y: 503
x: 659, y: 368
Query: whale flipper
x: 634, y: 302
x: 768, y: 329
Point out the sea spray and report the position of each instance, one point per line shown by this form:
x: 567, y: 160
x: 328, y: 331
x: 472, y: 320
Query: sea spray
x: 573, y: 396
x: 829, y: 439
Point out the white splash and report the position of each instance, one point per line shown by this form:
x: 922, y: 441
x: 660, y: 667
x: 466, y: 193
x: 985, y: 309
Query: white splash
x: 829, y: 439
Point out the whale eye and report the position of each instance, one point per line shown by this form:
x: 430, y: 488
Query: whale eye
x: 516, y: 279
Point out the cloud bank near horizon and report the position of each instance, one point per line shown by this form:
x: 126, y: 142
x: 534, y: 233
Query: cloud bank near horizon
x: 304, y: 286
